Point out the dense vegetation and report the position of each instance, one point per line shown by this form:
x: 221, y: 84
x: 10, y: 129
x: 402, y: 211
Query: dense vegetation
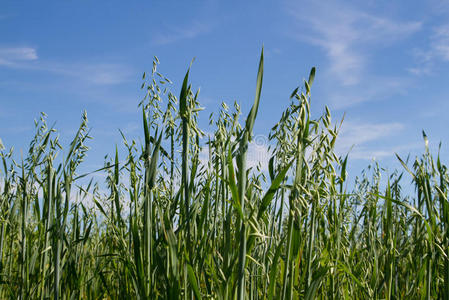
x: 175, y: 226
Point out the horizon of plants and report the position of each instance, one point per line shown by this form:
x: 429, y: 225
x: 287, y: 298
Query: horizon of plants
x: 174, y: 226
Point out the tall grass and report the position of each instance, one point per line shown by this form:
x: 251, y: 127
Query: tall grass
x: 173, y: 221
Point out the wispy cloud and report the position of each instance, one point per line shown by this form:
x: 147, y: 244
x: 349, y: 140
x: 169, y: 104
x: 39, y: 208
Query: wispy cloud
x: 437, y: 50
x: 367, y: 153
x: 95, y: 73
x: 10, y: 56
x: 440, y: 42
x: 175, y: 34
x: 373, y: 88
x: 358, y: 138
x: 346, y: 34
x: 99, y: 73
x: 358, y: 133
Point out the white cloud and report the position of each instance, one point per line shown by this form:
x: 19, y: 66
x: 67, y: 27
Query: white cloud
x: 9, y: 56
x: 358, y: 133
x: 373, y: 88
x: 176, y: 34
x: 440, y: 42
x: 365, y: 153
x: 355, y: 137
x: 94, y: 73
x: 99, y: 73
x: 347, y: 35
x: 437, y: 50
x: 422, y: 70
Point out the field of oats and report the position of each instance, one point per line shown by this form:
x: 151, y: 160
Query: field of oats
x: 174, y: 226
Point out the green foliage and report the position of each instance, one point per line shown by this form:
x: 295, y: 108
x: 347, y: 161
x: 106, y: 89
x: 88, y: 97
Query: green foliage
x: 176, y: 225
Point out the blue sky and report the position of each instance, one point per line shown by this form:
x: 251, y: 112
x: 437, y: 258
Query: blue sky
x: 383, y: 63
